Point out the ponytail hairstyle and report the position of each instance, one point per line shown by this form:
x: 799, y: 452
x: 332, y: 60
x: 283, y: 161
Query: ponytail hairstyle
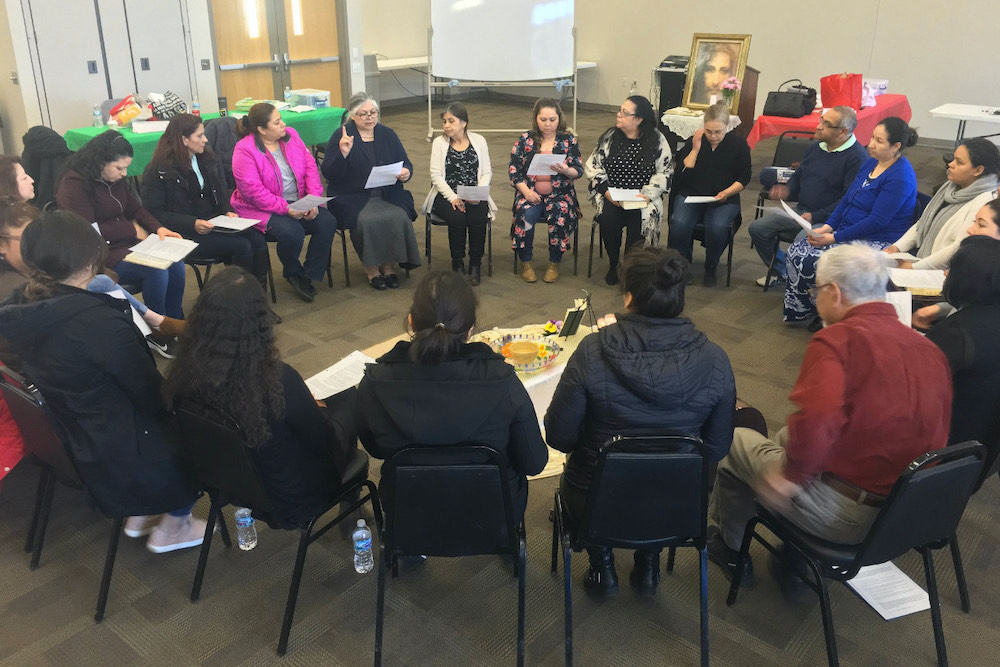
x: 655, y: 277
x: 443, y: 312
x: 258, y: 116
x: 57, y: 246
x: 899, y: 132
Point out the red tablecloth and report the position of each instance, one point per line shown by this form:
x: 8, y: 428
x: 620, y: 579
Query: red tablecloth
x: 868, y: 118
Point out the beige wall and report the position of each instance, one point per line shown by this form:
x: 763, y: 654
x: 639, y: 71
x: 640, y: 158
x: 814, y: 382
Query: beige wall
x: 934, y: 52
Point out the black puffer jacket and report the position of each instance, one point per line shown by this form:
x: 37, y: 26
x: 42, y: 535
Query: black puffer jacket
x: 176, y: 199
x: 641, y: 375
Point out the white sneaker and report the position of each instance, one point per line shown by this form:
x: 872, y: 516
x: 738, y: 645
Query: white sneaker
x: 775, y: 279
x: 137, y: 526
x: 180, y: 533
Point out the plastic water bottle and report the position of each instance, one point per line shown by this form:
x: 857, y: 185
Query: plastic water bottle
x: 98, y: 119
x: 196, y: 107
x: 288, y: 95
x: 246, y: 531
x: 363, y: 560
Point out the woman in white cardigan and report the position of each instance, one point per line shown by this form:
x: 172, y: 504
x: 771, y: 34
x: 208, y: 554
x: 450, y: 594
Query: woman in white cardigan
x: 972, y: 183
x: 461, y: 158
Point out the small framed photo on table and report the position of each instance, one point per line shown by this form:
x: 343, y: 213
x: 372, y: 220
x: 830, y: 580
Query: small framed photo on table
x: 714, y: 59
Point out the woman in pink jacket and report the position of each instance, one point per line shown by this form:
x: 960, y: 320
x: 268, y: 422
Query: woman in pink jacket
x: 273, y: 168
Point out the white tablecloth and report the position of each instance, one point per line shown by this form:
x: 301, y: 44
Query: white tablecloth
x: 683, y: 122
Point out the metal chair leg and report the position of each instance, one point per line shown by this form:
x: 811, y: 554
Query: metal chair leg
x: 932, y: 593
x: 703, y: 587
x: 270, y: 279
x: 224, y: 530
x: 823, y: 591
x: 671, y: 554
x: 963, y: 588
x: 206, y: 545
x: 29, y: 541
x: 734, y: 585
x: 43, y: 519
x: 590, y: 254
x: 383, y: 566
x: 568, y: 597
x: 347, y: 269
x: 522, y: 566
x: 770, y: 266
x: 427, y: 240
x: 489, y: 242
x: 293, y: 593
x: 729, y: 266
x: 109, y: 566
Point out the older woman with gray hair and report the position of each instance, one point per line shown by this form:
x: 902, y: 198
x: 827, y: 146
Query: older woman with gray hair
x: 380, y: 219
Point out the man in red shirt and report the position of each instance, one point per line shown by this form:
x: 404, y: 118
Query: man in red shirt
x: 872, y: 396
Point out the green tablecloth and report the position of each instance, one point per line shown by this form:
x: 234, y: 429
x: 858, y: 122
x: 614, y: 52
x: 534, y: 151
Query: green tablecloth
x: 315, y: 127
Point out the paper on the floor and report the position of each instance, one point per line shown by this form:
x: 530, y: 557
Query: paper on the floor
x: 889, y: 591
x: 344, y: 374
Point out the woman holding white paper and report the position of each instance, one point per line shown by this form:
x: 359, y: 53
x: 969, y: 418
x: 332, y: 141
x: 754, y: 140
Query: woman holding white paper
x: 631, y: 155
x: 548, y: 199
x: 273, y: 169
x: 461, y: 158
x: 183, y: 189
x: 380, y: 218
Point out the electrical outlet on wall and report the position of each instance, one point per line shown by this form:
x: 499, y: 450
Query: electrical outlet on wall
x: 624, y: 82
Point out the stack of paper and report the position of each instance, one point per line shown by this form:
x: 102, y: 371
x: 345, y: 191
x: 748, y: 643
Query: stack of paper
x: 160, y: 253
x: 344, y: 374
x: 230, y: 225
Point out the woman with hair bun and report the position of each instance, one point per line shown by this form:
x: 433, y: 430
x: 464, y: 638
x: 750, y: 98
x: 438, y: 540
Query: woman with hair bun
x: 440, y: 389
x: 647, y: 370
x: 273, y: 168
x: 877, y: 208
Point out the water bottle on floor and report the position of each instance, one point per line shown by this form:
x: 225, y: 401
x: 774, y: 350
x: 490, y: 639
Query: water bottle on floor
x: 246, y: 531
x: 363, y: 560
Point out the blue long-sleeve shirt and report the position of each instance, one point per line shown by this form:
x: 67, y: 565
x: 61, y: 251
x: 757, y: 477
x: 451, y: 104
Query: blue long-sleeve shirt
x: 821, y: 180
x: 879, y: 209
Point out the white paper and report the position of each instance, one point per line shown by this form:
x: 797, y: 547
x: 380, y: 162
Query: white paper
x: 903, y: 303
x: 922, y: 278
x: 541, y: 164
x: 169, y: 249
x: 308, y: 202
x: 904, y: 257
x: 473, y: 192
x: 624, y: 194
x: 383, y: 175
x: 234, y: 224
x: 300, y: 108
x: 698, y: 199
x: 889, y: 591
x: 147, y: 126
x: 803, y: 223
x: 137, y: 320
x: 344, y: 374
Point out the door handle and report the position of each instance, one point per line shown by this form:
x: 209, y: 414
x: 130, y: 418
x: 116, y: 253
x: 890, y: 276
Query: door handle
x: 277, y: 63
x: 287, y: 61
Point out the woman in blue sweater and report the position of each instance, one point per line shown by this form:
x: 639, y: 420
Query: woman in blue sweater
x: 876, y: 210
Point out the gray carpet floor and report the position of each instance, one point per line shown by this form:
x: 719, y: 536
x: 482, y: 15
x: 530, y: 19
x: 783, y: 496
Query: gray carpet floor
x: 462, y: 611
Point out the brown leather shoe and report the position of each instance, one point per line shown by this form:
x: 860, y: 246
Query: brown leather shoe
x: 552, y: 273
x: 528, y: 272
x: 171, y: 327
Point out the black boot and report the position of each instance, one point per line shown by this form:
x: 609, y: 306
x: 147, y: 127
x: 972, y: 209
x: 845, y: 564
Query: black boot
x: 612, y: 277
x: 602, y: 579
x: 646, y: 572
x: 458, y: 266
x: 709, y: 279
x: 258, y: 266
x: 475, y: 274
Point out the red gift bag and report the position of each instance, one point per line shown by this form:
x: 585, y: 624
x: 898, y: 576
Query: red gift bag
x: 841, y: 89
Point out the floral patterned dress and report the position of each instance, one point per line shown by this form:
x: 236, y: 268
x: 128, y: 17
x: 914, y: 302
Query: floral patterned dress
x: 562, y: 210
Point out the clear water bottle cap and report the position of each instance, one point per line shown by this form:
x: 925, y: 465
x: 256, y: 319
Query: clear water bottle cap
x: 361, y: 523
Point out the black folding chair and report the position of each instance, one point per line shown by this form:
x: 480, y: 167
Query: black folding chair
x: 922, y: 511
x: 791, y: 148
x: 207, y: 263
x: 448, y: 501
x: 647, y: 492
x: 432, y: 220
x: 734, y: 226
x: 42, y: 440
x: 329, y: 263
x: 218, y: 452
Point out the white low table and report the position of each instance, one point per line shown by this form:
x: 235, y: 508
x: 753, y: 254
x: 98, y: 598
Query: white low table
x: 964, y: 113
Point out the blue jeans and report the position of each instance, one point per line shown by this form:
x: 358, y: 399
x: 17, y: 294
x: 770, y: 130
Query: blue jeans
x: 531, y: 216
x: 162, y: 289
x: 103, y: 283
x: 764, y: 232
x: 716, y: 218
x: 290, y: 235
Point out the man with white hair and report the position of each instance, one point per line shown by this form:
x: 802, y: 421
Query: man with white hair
x: 872, y: 396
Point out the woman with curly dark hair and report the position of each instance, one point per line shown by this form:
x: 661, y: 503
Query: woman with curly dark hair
x: 228, y: 362
x: 94, y: 186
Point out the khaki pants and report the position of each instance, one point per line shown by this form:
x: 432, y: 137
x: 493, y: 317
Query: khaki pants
x: 816, y: 509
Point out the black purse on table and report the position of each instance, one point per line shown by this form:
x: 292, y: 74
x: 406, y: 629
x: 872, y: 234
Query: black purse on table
x: 795, y: 102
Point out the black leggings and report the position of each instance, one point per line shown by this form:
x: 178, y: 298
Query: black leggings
x: 474, y: 219
x: 611, y: 221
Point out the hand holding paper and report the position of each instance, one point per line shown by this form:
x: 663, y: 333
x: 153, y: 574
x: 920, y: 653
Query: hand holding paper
x: 799, y: 219
x: 307, y: 202
x: 383, y: 175
x: 541, y: 164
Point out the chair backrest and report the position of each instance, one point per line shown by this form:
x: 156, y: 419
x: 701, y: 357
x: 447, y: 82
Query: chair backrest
x: 218, y: 453
x: 792, y: 146
x: 107, y: 106
x: 221, y: 134
x: 647, y: 491
x: 926, y: 503
x: 923, y: 199
x: 448, y: 501
x: 37, y: 427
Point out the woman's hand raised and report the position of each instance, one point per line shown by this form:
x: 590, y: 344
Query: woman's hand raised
x: 346, y: 143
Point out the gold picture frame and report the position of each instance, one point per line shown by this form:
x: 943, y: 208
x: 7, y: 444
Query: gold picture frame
x: 713, y: 57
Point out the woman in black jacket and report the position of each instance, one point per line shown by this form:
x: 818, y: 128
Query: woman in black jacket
x: 439, y: 389
x: 92, y: 365
x: 183, y: 189
x: 649, y: 371
x: 228, y: 364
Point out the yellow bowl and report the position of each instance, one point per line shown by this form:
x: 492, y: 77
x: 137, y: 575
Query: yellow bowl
x: 523, y: 351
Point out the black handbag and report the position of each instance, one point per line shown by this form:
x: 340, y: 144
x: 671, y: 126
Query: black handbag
x: 795, y: 102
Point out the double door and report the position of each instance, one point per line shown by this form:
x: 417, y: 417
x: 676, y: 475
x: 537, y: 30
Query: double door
x: 83, y: 53
x: 264, y: 46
